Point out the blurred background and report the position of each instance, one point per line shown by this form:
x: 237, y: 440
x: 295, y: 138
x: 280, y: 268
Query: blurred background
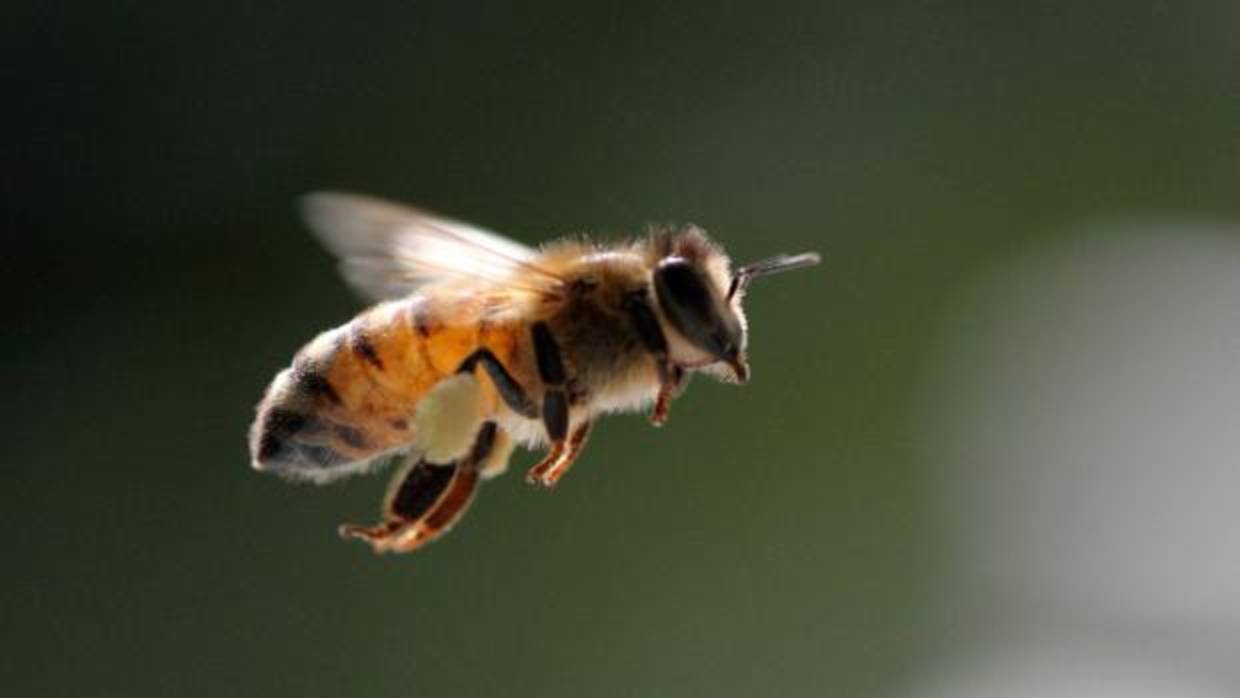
x: 989, y: 448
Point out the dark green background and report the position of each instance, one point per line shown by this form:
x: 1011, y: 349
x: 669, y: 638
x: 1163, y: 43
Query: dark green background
x: 771, y: 540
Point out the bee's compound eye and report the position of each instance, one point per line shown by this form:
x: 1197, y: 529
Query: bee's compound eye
x: 679, y: 285
x: 691, y: 306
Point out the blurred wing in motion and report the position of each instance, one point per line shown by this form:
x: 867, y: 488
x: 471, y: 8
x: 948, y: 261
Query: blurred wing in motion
x: 387, y: 250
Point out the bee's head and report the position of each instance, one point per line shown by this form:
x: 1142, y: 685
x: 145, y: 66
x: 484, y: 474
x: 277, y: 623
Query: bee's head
x: 701, y: 299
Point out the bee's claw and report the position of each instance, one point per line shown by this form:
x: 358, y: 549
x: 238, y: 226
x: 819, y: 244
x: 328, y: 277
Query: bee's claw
x: 658, y: 416
x: 546, y: 482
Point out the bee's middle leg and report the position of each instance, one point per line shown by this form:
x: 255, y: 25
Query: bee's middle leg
x: 554, y: 410
x: 510, y: 391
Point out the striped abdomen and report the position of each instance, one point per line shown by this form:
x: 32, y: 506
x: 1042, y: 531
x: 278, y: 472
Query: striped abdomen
x: 351, y: 393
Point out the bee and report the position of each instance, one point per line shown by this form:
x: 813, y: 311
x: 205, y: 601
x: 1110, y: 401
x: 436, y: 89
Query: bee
x: 478, y: 343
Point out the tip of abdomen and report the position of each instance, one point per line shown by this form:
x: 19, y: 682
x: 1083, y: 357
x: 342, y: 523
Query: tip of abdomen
x: 281, y: 442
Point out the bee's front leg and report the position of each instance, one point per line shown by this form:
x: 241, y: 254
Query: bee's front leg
x: 671, y: 377
x: 672, y: 382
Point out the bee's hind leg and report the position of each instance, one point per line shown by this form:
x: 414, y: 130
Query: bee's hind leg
x: 426, y: 499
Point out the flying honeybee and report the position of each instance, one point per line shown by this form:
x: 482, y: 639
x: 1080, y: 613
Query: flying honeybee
x: 479, y: 343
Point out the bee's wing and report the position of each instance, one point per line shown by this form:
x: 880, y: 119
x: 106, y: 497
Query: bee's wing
x: 387, y: 250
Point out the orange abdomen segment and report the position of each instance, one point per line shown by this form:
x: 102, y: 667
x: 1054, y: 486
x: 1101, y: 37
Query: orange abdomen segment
x: 351, y: 393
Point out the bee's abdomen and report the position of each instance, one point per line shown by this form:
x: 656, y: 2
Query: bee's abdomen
x: 350, y: 395
x: 295, y: 433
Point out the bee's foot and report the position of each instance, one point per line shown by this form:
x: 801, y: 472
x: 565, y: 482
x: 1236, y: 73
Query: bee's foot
x: 537, y: 475
x: 546, y: 479
x: 376, y: 536
x: 541, y: 475
x: 658, y: 416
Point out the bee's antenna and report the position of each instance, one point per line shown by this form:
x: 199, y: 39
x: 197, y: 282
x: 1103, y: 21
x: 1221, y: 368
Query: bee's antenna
x: 773, y: 265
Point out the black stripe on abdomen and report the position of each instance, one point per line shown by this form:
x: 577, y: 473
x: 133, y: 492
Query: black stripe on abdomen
x: 361, y: 345
x: 309, y: 381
